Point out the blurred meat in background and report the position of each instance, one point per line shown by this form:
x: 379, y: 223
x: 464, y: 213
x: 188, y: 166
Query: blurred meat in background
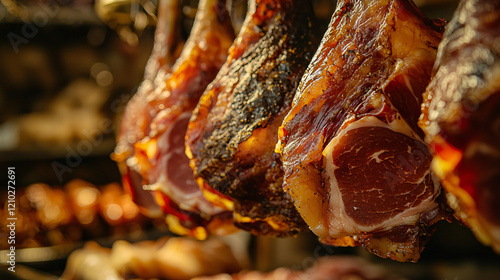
x: 48, y: 215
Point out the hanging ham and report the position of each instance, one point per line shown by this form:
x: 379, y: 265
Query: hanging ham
x: 154, y: 155
x: 234, y: 129
x: 461, y: 116
x: 354, y: 159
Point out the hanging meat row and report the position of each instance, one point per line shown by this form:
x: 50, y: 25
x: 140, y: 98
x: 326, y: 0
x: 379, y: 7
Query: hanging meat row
x: 275, y: 132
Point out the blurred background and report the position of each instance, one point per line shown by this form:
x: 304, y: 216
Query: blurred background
x: 67, y: 69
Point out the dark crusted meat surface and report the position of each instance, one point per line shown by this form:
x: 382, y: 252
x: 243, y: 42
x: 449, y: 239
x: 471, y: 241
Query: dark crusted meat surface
x: 233, y: 131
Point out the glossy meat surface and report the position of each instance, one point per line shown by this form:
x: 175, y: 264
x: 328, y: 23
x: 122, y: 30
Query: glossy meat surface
x: 461, y: 116
x: 354, y: 160
x: 136, y: 118
x: 157, y: 161
x: 233, y: 131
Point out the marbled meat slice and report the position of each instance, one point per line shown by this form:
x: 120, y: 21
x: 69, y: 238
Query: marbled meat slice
x: 461, y: 116
x: 159, y: 162
x: 354, y: 160
x: 233, y: 131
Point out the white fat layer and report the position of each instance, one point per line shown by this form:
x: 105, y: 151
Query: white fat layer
x: 340, y: 224
x: 187, y: 201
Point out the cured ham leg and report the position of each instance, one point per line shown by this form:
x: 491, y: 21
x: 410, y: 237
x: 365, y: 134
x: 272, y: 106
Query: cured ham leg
x: 354, y: 160
x: 159, y: 163
x: 233, y: 131
x: 461, y: 116
x: 136, y: 119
